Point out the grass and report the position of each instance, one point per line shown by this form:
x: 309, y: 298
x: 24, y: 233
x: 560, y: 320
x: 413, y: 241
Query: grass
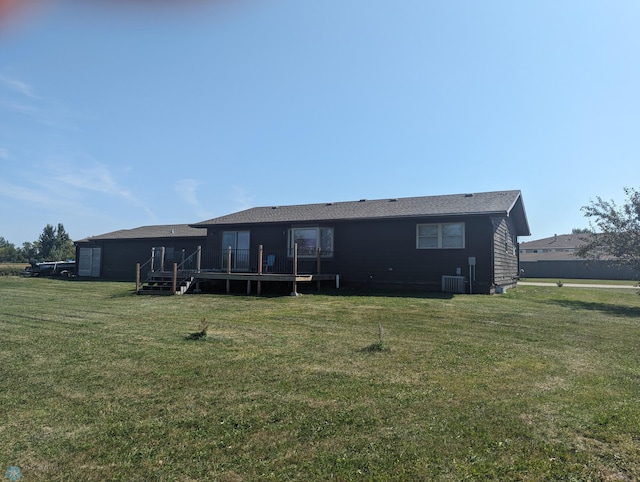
x: 12, y: 269
x: 584, y: 281
x: 100, y: 384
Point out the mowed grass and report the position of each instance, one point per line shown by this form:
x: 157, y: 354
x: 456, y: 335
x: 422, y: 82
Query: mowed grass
x: 632, y: 283
x: 97, y: 384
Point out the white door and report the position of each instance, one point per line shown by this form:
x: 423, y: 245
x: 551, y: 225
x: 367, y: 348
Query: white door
x: 89, y: 262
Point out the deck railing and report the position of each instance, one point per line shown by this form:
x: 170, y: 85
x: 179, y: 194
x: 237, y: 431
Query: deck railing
x: 263, y: 260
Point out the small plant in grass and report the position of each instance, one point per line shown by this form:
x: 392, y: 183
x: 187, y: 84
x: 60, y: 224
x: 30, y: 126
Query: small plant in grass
x: 379, y: 345
x: 199, y: 335
x: 560, y: 284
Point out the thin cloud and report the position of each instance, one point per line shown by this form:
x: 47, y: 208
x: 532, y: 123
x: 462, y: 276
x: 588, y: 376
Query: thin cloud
x: 19, y: 107
x: 95, y: 178
x: 241, y: 198
x: 19, y: 86
x: 38, y: 197
x: 187, y: 189
x: 20, y: 97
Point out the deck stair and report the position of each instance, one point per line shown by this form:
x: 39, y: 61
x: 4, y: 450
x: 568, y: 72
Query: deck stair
x: 162, y: 284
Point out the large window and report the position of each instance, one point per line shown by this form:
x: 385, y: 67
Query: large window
x: 310, y: 239
x: 239, y: 242
x: 440, y: 236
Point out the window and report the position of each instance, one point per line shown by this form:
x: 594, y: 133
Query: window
x: 239, y: 242
x: 309, y: 240
x: 440, y: 236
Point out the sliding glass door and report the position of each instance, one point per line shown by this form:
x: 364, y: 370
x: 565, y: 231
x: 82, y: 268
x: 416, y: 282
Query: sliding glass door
x: 239, y: 241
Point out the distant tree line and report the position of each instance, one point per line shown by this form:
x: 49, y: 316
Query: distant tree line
x: 54, y: 244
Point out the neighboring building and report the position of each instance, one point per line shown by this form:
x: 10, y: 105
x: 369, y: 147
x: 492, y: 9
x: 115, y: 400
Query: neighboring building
x: 114, y: 255
x: 555, y: 257
x: 556, y: 247
x: 408, y: 243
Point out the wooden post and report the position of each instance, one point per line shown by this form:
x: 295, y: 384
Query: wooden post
x: 153, y: 259
x: 248, y: 286
x: 260, y: 254
x: 174, y: 284
x: 295, y: 269
x: 318, y: 267
x: 162, y: 259
x: 198, y: 266
x: 137, y: 278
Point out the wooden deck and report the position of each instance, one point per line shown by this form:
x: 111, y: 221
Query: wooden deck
x: 265, y: 276
x: 259, y: 278
x: 182, y: 280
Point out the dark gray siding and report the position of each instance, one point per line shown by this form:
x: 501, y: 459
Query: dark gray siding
x: 505, y: 252
x: 385, y: 253
x: 119, y: 256
x: 382, y: 253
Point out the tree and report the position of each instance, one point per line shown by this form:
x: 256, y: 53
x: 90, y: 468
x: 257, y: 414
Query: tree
x: 63, y: 248
x: 54, y: 244
x: 47, y: 242
x: 30, y: 251
x: 8, y: 252
x: 615, y: 230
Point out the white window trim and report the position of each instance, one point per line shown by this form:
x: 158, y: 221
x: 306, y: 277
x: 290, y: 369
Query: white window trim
x: 439, y: 225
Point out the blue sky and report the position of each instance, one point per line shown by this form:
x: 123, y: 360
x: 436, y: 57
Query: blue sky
x: 114, y: 118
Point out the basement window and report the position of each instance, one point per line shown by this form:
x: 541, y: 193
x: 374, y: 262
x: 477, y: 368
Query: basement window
x: 440, y: 236
x: 309, y: 240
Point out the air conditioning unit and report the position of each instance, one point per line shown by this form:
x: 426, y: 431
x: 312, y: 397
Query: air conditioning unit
x: 453, y: 284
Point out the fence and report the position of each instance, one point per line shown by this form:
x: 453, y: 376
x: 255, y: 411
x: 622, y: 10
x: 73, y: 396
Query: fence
x: 576, y: 269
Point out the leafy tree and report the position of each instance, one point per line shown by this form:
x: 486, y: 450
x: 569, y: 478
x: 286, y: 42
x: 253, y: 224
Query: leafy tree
x: 580, y: 231
x: 63, y: 247
x: 47, y: 242
x: 54, y: 244
x: 615, y: 230
x: 29, y: 251
x: 8, y: 252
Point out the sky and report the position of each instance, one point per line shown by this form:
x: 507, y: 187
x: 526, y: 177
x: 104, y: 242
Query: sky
x: 114, y: 116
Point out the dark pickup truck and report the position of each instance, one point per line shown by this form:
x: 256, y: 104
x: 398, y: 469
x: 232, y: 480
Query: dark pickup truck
x: 52, y: 268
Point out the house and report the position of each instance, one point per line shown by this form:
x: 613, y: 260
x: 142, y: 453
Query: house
x: 114, y: 255
x: 555, y: 257
x: 461, y: 243
x: 562, y: 246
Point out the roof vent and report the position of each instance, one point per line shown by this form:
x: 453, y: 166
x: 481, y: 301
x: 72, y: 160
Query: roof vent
x: 329, y: 204
x: 274, y: 207
x: 173, y: 231
x: 468, y: 195
x: 362, y: 200
x: 393, y: 200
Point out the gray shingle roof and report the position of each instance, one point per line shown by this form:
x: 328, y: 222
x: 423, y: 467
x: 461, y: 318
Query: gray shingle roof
x: 558, y: 247
x: 505, y: 203
x: 147, y: 232
x: 560, y: 241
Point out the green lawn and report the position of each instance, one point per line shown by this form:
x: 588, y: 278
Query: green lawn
x: 97, y: 384
x: 612, y: 282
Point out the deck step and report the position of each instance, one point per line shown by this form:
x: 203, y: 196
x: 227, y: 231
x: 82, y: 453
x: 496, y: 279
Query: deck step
x: 163, y: 285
